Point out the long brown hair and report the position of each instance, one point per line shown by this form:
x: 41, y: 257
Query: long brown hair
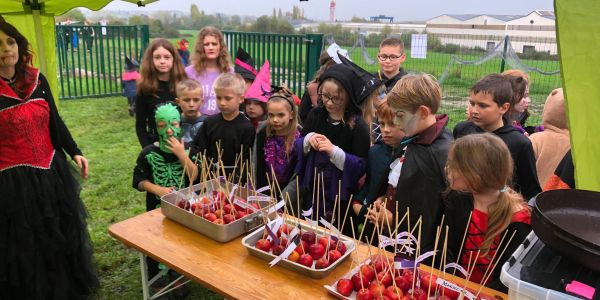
x: 485, y: 163
x: 148, y: 82
x: 25, y: 53
x: 284, y: 95
x: 519, y: 81
x: 198, y: 57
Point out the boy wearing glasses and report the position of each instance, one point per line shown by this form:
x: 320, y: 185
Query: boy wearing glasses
x: 391, y: 56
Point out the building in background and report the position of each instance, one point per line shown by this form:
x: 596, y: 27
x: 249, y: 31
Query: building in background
x: 533, y: 32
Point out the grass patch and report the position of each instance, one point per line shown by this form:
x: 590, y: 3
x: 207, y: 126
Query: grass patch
x: 106, y: 134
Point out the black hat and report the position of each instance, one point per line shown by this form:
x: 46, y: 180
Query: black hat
x: 364, y: 82
x: 131, y: 64
x: 345, y: 75
x: 244, y: 65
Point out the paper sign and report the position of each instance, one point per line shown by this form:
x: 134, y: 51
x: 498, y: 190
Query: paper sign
x: 418, y: 46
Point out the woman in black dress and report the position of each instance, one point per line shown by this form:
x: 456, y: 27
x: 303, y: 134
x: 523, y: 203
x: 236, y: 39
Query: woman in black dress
x: 45, y: 249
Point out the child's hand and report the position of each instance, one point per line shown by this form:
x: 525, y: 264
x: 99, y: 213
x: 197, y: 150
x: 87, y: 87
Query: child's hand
x: 379, y: 214
x: 325, y: 145
x: 161, y: 191
x: 314, y: 140
x: 176, y: 146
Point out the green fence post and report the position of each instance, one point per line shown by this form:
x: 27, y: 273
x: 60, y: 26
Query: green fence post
x: 145, y: 38
x: 314, y: 44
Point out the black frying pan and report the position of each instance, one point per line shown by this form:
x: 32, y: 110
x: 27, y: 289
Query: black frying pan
x: 569, y: 222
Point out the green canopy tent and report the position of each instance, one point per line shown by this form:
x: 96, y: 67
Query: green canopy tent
x: 578, y: 35
x: 35, y: 20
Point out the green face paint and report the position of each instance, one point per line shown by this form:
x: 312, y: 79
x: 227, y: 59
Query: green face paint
x: 167, y: 124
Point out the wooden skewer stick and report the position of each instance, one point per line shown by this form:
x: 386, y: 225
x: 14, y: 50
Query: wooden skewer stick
x: 492, y: 265
x: 418, y: 252
x: 462, y: 244
x: 435, y: 246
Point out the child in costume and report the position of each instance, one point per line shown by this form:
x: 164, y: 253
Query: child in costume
x: 230, y: 129
x: 209, y: 60
x: 190, y: 98
x: 479, y: 169
x: 381, y: 155
x: 391, y: 56
x: 415, y: 178
x: 256, y: 96
x: 161, y: 71
x: 335, y: 143
x: 275, y: 152
x: 244, y: 65
x: 184, y: 53
x: 490, y: 102
x: 129, y: 82
x: 159, y: 167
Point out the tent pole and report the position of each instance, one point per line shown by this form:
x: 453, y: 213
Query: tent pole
x: 37, y: 23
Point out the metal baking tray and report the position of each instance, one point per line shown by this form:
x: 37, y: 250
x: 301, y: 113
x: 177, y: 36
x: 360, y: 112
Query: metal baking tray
x: 220, y: 233
x: 250, y: 240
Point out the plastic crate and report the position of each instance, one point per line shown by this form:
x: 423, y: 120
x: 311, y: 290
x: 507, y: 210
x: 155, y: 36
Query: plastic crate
x: 522, y: 290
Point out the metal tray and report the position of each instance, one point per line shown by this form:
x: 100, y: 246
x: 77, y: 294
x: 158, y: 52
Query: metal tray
x: 250, y: 240
x: 220, y: 233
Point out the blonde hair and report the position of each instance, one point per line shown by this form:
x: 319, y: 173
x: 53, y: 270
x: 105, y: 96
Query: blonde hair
x: 414, y: 90
x: 188, y: 85
x: 198, y: 57
x: 230, y: 81
x: 284, y: 95
x: 148, y: 82
x: 485, y: 163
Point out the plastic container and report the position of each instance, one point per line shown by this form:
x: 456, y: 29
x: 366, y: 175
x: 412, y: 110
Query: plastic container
x: 250, y: 240
x: 511, y: 270
x: 220, y: 233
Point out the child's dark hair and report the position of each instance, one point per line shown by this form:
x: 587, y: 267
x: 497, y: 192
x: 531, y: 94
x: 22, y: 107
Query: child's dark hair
x: 496, y: 85
x: 394, y: 42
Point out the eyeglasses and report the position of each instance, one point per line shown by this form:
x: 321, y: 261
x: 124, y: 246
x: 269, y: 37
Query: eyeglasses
x: 386, y: 57
x: 333, y: 99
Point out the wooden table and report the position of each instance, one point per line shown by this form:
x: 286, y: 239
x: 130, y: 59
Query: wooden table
x: 225, y: 268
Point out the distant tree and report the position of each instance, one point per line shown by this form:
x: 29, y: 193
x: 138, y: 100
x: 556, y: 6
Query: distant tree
x: 194, y: 12
x: 358, y: 20
x: 386, y: 31
x: 295, y: 13
x: 279, y: 13
x: 138, y: 20
x: 274, y: 13
x: 235, y: 20
x: 74, y: 15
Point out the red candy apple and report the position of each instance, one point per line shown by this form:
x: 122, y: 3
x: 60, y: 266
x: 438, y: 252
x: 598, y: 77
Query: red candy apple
x: 316, y: 251
x: 367, y: 272
x: 219, y: 222
x: 264, y: 245
x: 345, y: 287
x: 364, y: 294
x: 309, y: 237
x: 334, y: 255
x: 385, y: 278
x: 210, y: 217
x: 228, y: 218
x: 359, y: 281
x: 183, y: 204
x: 277, y: 250
x: 305, y: 260
x: 322, y: 263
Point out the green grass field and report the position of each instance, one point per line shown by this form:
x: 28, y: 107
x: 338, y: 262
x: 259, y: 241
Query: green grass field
x: 106, y: 135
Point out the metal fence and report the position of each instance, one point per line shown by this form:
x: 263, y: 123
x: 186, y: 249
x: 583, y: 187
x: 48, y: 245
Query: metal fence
x: 458, y: 61
x: 293, y: 58
x: 91, y: 59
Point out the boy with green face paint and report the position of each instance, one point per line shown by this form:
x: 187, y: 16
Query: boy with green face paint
x: 160, y: 166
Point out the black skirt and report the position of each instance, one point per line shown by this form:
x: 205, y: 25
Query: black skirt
x: 45, y: 249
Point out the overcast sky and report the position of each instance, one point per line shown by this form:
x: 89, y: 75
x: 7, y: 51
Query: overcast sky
x: 401, y: 10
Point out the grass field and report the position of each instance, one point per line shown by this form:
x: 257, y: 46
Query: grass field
x: 106, y: 135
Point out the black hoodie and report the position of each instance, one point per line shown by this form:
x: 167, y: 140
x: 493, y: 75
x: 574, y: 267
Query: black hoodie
x: 525, y: 178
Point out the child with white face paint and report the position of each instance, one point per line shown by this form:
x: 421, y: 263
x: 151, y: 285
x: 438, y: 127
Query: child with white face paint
x: 416, y: 178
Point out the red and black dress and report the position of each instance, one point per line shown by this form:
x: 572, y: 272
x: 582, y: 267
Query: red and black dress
x: 457, y: 209
x: 45, y: 249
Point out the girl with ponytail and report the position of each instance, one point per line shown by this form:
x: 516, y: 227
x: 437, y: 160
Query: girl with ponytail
x: 479, y: 169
